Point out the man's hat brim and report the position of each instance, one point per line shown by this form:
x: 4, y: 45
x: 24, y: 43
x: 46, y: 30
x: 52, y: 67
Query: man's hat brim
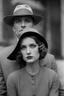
x: 13, y: 55
x: 10, y: 19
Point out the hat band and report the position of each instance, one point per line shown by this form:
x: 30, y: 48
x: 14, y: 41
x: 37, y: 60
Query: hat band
x: 23, y: 12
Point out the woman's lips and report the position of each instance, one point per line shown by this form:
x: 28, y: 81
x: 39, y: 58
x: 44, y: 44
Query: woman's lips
x: 29, y: 57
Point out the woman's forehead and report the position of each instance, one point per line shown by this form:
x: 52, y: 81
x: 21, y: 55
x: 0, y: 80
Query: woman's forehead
x: 27, y: 40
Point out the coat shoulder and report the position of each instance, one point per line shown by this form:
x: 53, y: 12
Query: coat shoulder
x: 6, y: 51
x: 49, y: 55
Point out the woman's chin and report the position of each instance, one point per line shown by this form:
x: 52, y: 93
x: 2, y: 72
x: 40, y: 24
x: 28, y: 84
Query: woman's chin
x: 30, y: 61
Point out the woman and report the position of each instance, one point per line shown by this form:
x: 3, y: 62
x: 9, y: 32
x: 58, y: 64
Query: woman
x: 33, y: 79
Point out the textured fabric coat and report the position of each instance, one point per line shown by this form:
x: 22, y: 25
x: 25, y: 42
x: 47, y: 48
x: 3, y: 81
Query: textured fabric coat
x: 44, y: 83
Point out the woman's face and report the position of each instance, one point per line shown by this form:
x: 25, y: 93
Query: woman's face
x: 29, y: 50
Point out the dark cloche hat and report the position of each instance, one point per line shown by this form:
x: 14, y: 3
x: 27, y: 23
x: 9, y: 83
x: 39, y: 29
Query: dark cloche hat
x: 25, y: 33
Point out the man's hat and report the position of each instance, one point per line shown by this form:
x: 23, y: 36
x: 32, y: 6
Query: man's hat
x: 22, y: 10
x: 26, y: 33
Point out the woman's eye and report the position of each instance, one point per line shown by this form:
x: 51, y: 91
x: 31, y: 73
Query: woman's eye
x: 23, y: 47
x: 33, y: 45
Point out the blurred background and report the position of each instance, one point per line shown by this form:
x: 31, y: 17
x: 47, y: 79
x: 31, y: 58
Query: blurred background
x: 52, y: 28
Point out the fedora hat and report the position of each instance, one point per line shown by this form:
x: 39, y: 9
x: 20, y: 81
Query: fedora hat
x: 26, y: 33
x: 22, y: 10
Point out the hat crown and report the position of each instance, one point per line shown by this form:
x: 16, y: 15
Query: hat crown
x: 22, y: 7
x: 30, y: 30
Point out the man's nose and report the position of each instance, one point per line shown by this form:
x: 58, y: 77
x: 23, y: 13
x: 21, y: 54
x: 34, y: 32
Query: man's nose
x: 23, y: 24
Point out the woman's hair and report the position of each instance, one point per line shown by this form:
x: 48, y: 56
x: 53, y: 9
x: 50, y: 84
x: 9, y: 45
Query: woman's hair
x: 42, y: 51
x: 42, y: 48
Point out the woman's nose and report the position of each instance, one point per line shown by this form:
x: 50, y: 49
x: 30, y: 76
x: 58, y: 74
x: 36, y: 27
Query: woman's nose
x: 28, y: 50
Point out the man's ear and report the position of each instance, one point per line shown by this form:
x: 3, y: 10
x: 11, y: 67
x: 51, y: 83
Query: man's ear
x: 13, y: 29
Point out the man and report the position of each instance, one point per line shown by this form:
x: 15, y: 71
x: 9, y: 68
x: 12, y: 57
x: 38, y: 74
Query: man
x: 22, y: 18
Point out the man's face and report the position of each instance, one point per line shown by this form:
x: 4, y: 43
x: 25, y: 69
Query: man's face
x: 20, y: 23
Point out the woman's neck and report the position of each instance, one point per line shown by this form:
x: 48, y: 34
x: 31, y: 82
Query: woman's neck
x: 32, y: 68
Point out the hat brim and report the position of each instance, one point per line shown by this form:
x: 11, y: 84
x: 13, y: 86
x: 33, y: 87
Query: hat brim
x: 10, y: 18
x: 13, y: 55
